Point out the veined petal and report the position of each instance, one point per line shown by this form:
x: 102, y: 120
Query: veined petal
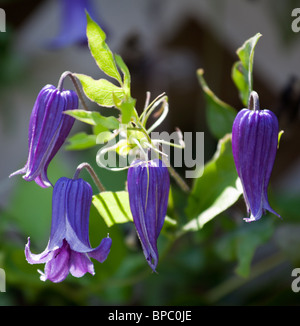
x: 101, y: 252
x: 48, y: 129
x: 254, y: 147
x: 80, y: 264
x: 41, y: 258
x: 148, y: 187
x: 57, y: 269
x: 71, y: 204
x: 69, y: 248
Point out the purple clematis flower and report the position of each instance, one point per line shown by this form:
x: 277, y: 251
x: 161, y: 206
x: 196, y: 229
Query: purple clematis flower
x: 69, y: 248
x: 48, y: 129
x: 148, y: 187
x: 73, y: 23
x: 254, y: 147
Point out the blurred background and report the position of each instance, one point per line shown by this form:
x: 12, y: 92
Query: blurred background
x: 163, y: 43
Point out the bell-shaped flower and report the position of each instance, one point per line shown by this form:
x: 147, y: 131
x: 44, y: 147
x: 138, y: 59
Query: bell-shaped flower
x: 48, y: 129
x: 254, y: 147
x: 69, y: 248
x: 148, y: 184
x: 73, y: 23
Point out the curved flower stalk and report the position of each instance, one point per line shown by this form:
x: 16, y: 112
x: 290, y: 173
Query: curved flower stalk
x: 69, y: 249
x: 254, y: 147
x: 148, y: 185
x: 48, y: 129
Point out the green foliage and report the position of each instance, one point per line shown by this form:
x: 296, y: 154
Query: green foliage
x: 100, y: 50
x: 113, y: 207
x: 241, y: 244
x: 94, y: 118
x: 100, y: 91
x: 242, y: 71
x: 216, y: 190
x: 219, y: 115
x: 199, y: 235
x: 81, y: 141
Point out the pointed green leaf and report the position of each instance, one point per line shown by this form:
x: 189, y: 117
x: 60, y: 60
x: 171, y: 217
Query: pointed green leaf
x: 81, y: 141
x: 104, y: 137
x: 216, y: 190
x: 242, y: 71
x: 226, y: 199
x: 127, y: 108
x: 126, y: 74
x: 100, y: 91
x: 113, y: 207
x: 219, y: 115
x: 100, y: 50
x: 94, y: 118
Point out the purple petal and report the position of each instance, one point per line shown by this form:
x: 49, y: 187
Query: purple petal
x: 80, y: 264
x: 41, y: 258
x: 48, y: 129
x: 58, y: 224
x: 101, y: 252
x: 57, y: 269
x: 254, y: 147
x: 148, y: 187
x: 71, y: 204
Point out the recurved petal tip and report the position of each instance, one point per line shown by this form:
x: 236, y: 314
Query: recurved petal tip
x: 41, y: 258
x: 102, y: 251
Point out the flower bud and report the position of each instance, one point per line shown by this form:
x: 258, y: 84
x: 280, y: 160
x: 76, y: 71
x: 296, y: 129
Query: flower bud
x: 254, y: 147
x: 148, y: 187
x: 48, y: 129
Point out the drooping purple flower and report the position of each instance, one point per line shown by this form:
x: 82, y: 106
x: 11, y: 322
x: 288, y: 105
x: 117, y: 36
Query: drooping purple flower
x: 73, y: 23
x: 48, y: 129
x: 148, y: 187
x: 254, y: 147
x: 69, y: 249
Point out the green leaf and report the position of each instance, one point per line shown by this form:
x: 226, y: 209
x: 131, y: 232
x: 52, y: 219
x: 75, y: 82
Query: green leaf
x: 81, y: 141
x: 226, y: 199
x: 127, y: 108
x: 219, y: 115
x: 122, y: 147
x: 94, y: 118
x: 113, y: 207
x: 216, y: 190
x: 242, y: 71
x: 126, y: 74
x: 104, y: 137
x: 100, y: 50
x: 242, y: 243
x: 100, y: 91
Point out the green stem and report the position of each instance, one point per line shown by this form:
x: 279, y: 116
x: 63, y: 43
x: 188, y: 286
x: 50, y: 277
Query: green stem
x: 253, y: 103
x: 74, y: 81
x: 92, y: 174
x: 180, y: 181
